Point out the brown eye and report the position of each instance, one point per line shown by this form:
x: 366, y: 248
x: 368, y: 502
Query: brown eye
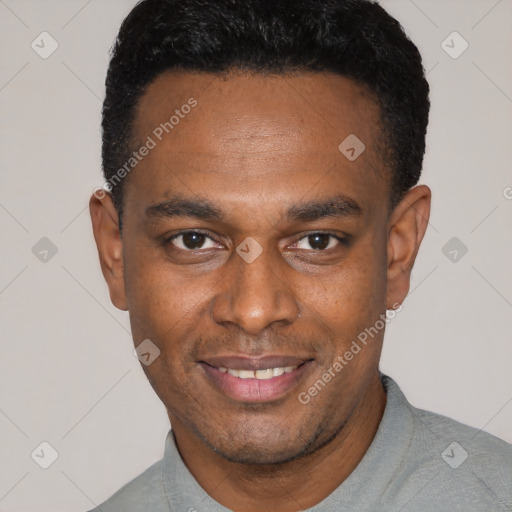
x: 192, y: 240
x: 318, y: 242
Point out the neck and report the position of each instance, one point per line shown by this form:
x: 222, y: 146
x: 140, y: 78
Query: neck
x: 292, y: 486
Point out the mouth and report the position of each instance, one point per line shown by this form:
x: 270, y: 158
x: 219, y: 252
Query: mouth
x: 255, y: 380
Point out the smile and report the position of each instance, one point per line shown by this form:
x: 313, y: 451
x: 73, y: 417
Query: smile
x: 266, y: 374
x: 255, y: 380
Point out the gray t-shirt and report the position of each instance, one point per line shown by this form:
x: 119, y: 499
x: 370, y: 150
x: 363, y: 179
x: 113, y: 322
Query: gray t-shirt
x: 418, y: 462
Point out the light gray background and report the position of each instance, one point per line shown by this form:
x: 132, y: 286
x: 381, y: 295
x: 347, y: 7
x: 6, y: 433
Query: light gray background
x: 68, y: 374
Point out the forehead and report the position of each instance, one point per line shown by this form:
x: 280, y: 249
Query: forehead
x: 271, y: 133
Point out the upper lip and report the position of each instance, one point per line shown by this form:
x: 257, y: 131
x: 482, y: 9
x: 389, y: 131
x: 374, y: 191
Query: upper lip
x: 254, y: 363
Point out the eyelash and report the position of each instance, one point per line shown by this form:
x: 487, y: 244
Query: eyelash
x: 342, y: 240
x: 169, y: 240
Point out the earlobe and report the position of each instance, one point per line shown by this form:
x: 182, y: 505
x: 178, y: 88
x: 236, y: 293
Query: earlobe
x: 407, y: 226
x: 105, y: 225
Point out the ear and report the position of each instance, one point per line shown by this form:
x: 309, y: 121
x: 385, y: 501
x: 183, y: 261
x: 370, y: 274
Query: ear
x: 407, y: 225
x: 105, y: 225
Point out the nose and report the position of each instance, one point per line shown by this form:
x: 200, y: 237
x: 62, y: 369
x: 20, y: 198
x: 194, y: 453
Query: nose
x: 255, y: 295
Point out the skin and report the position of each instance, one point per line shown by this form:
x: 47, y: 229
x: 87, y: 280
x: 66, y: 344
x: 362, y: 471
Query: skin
x: 254, y: 147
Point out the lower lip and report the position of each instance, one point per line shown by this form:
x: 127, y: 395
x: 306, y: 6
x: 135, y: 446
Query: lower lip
x: 255, y: 390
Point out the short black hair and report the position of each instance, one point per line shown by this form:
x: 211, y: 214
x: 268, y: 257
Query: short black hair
x: 357, y: 39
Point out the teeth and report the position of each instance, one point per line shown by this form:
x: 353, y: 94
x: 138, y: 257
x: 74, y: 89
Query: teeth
x: 263, y: 374
x: 258, y: 374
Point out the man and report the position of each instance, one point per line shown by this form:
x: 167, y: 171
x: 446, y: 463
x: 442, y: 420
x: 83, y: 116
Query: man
x: 261, y: 226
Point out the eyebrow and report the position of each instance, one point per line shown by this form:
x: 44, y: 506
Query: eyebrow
x: 179, y: 206
x: 335, y: 207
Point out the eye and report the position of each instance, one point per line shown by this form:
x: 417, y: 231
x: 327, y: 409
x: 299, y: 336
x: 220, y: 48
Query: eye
x: 192, y: 240
x: 318, y: 242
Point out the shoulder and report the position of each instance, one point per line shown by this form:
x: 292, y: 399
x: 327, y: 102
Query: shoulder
x: 486, y: 456
x: 461, y: 464
x: 478, y: 441
x: 145, y: 492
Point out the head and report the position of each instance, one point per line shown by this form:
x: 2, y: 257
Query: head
x: 262, y: 161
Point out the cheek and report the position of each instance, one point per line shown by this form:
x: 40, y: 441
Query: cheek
x: 157, y: 305
x: 348, y: 303
x: 356, y: 289
x: 164, y: 303
x: 164, y: 308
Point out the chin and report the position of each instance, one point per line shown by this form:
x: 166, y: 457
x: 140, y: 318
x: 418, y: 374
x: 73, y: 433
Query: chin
x: 267, y: 449
x: 259, y: 456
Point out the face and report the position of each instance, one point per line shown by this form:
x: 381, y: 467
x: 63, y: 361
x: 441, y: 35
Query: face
x: 254, y: 253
